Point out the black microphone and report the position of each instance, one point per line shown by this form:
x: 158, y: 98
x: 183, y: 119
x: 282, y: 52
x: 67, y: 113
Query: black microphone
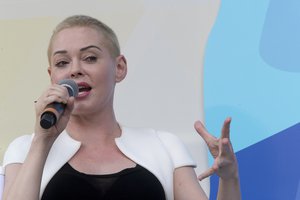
x: 53, y: 111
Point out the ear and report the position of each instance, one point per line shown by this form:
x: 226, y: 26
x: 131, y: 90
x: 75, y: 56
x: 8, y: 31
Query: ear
x: 121, y: 69
x: 49, y: 71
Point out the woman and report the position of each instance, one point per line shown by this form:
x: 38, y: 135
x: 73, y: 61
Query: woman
x: 88, y: 154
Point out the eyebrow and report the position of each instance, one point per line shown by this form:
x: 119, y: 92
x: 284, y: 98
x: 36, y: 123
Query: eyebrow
x: 82, y: 49
x: 91, y: 46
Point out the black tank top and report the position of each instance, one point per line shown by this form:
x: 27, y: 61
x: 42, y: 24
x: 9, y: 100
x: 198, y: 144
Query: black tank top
x: 133, y: 183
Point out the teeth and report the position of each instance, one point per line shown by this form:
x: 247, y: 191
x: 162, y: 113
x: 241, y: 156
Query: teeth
x: 83, y: 88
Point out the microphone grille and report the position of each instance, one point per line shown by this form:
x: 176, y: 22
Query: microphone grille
x: 71, y: 86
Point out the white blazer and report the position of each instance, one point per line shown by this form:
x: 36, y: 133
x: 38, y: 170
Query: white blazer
x: 157, y: 151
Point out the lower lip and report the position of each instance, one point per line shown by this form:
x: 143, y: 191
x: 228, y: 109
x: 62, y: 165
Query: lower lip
x: 83, y: 94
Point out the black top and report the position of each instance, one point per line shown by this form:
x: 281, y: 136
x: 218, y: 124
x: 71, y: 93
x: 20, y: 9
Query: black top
x: 133, y: 183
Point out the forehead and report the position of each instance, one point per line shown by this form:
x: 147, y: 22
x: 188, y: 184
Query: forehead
x: 77, y: 37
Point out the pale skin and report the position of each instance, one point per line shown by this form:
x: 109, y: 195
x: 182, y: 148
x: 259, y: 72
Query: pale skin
x: 81, y: 53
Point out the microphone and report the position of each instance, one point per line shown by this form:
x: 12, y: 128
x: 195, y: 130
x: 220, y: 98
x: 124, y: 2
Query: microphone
x: 53, y: 111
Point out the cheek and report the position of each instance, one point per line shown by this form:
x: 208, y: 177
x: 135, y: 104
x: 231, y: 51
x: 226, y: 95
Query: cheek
x: 56, y: 76
x: 105, y: 80
x: 106, y: 74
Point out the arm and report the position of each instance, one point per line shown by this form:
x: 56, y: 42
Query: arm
x: 22, y: 181
x: 225, y: 163
x: 186, y: 185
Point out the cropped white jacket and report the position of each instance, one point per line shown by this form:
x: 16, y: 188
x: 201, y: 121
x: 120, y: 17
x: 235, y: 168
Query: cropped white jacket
x: 157, y: 151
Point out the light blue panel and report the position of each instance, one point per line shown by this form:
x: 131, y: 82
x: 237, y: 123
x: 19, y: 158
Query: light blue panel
x: 280, y: 43
x: 261, y: 99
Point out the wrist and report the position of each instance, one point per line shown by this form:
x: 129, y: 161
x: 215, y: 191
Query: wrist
x: 43, y: 140
x: 232, y: 179
x: 231, y: 175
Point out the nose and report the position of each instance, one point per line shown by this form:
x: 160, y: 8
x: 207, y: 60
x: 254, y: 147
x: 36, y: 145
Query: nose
x: 76, y: 70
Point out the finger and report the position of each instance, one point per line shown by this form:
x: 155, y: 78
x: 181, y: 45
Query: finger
x: 56, y: 93
x: 54, y: 98
x: 226, y: 128
x: 58, y: 90
x: 203, y: 132
x: 225, y: 147
x: 63, y: 120
x: 206, y: 174
x: 70, y: 106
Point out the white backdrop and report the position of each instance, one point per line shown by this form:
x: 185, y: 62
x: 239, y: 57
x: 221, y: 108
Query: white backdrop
x: 163, y: 42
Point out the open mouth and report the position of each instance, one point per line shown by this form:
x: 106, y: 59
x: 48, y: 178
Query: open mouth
x: 84, y: 89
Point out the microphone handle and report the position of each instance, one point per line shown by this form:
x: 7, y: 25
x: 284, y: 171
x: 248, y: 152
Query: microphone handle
x: 51, y: 114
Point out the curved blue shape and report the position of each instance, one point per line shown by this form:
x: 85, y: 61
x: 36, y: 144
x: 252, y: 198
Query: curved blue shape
x: 280, y: 42
x: 265, y: 99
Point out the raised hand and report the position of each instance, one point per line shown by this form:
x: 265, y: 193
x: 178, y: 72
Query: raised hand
x: 225, y: 163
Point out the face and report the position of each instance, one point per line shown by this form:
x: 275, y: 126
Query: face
x: 81, y: 54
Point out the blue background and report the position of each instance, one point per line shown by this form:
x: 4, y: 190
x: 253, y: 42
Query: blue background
x: 251, y: 73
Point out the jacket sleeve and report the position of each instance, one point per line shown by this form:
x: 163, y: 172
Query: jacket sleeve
x: 177, y: 150
x: 17, y: 150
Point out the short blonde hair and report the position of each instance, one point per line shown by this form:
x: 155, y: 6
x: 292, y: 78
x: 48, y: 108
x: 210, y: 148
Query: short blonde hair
x: 87, y: 21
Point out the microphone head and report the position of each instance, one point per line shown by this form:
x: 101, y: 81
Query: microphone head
x: 71, y: 86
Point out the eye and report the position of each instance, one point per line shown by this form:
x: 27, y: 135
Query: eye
x: 61, y: 63
x: 90, y: 59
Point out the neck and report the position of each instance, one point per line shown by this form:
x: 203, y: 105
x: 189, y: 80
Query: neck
x: 89, y: 129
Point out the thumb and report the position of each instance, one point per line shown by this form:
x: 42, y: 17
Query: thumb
x: 70, y: 106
